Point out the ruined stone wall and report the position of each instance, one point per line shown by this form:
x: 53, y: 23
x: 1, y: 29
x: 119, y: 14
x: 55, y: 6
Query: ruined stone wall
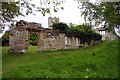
x: 18, y: 40
x: 110, y: 36
x: 62, y: 41
x: 48, y: 39
x: 51, y: 42
x: 19, y: 36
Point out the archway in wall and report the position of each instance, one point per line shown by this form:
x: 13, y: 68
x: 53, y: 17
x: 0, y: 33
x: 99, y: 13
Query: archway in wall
x: 33, y: 42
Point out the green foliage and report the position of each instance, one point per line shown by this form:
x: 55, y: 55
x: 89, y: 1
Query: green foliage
x: 84, y: 28
x: 5, y: 37
x: 15, y: 9
x: 62, y: 27
x: 77, y: 63
x: 108, y: 12
x: 84, y: 32
x: 9, y: 11
x: 33, y: 39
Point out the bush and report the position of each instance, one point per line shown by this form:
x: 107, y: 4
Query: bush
x: 62, y: 27
x: 84, y: 32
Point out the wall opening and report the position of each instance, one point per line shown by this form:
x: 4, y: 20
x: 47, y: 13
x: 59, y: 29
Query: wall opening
x: 33, y: 42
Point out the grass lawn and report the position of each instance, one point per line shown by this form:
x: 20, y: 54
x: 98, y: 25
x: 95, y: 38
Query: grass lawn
x: 77, y: 63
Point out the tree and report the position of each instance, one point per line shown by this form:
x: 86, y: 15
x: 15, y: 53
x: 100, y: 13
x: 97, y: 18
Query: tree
x: 14, y: 9
x: 108, y: 12
x: 9, y: 11
x: 85, y: 33
x: 62, y: 27
x: 84, y: 27
x: 5, y: 37
x: 33, y: 39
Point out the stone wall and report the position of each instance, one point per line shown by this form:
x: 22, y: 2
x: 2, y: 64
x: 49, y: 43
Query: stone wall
x: 48, y: 39
x: 19, y: 36
x: 18, y: 40
x: 105, y: 34
x: 51, y: 42
x: 110, y: 36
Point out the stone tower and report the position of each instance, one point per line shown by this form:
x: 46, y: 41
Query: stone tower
x: 51, y: 21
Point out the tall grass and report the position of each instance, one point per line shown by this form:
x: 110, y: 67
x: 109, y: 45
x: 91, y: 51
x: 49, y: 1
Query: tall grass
x: 99, y: 61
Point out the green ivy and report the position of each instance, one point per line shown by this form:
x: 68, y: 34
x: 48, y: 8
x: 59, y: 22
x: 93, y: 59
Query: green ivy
x: 84, y: 32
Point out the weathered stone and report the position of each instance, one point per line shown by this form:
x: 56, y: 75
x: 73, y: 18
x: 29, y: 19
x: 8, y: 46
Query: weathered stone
x: 106, y: 35
x: 48, y: 39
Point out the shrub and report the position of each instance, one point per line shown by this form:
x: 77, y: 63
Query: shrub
x: 84, y: 32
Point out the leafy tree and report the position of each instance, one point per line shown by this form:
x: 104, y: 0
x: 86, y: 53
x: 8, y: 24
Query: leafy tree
x: 14, y: 9
x: 85, y: 33
x: 9, y: 11
x: 5, y: 37
x: 62, y: 27
x: 108, y: 12
x: 84, y: 27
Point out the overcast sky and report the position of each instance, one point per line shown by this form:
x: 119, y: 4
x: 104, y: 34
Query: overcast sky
x: 70, y: 14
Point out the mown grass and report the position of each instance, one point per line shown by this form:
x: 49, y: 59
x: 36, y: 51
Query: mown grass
x: 77, y: 63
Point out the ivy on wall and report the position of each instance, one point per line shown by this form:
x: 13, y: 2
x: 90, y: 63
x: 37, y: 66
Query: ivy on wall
x: 84, y: 32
